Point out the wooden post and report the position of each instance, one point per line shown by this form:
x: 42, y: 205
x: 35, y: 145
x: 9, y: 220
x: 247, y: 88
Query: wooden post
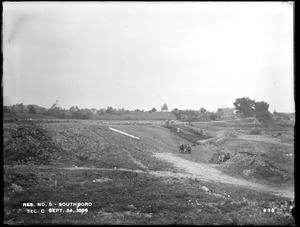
x: 124, y: 133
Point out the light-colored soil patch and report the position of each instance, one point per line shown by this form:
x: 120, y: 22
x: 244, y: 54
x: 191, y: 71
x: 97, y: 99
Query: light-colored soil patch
x: 207, y: 173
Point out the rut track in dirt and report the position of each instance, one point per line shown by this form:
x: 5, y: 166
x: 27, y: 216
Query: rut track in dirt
x: 76, y: 168
x: 207, y: 173
x: 193, y: 170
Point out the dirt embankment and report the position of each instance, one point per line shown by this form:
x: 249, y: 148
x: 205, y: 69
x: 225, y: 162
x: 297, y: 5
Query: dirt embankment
x: 208, y: 173
x: 87, y: 144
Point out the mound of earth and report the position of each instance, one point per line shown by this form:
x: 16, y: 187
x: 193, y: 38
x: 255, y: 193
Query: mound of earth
x: 220, y: 157
x: 257, y: 168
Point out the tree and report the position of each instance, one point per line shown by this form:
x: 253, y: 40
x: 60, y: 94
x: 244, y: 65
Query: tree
x: 245, y: 106
x: 21, y: 108
x: 77, y: 114
x: 263, y: 116
x: 6, y: 109
x: 202, y: 110
x: 190, y: 114
x: 109, y: 110
x: 261, y: 111
x: 119, y: 112
x: 87, y: 114
x: 177, y: 113
x: 153, y: 110
x: 213, y: 116
x: 164, y: 107
x: 31, y: 110
x: 261, y: 106
x: 56, y: 112
x: 101, y: 112
x: 18, y: 108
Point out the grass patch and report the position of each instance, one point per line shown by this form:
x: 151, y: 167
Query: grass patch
x: 255, y: 131
x: 133, y: 198
x: 27, y: 143
x: 135, y: 116
x: 23, y: 116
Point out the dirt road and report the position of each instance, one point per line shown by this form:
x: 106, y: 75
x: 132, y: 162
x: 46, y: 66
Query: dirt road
x: 194, y: 170
x: 207, y: 173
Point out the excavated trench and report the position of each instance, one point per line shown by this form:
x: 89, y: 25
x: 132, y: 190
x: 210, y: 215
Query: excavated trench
x: 188, y: 134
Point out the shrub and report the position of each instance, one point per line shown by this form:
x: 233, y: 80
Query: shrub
x: 153, y: 110
x: 230, y: 133
x: 256, y: 131
x: 101, y: 112
x: 32, y: 110
x: 56, y: 112
x: 86, y: 116
x: 263, y: 116
x: 6, y: 109
x: 77, y: 114
x: 213, y: 117
x: 220, y: 157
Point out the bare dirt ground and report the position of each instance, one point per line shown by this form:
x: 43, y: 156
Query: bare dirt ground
x: 208, y: 173
x: 193, y: 170
x: 146, y: 181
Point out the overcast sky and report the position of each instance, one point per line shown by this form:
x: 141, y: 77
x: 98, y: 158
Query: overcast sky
x: 141, y: 55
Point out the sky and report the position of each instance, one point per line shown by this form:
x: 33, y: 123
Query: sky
x: 141, y: 55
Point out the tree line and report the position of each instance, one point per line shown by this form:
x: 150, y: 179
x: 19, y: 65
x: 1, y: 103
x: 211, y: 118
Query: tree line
x: 190, y: 114
x: 74, y: 112
x: 245, y: 107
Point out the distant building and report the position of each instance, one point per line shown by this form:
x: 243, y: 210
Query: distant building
x: 55, y: 105
x: 226, y: 113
